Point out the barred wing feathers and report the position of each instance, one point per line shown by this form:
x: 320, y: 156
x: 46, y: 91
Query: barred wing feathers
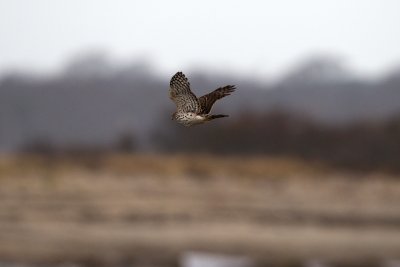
x: 208, y: 100
x: 181, y: 94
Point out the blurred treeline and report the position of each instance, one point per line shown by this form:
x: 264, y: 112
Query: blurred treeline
x: 319, y: 110
x: 360, y: 146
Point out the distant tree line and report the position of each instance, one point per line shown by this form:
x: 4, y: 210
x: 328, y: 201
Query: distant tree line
x: 363, y: 145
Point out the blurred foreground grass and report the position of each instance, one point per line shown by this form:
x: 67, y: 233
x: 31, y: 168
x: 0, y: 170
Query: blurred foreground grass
x: 148, y: 209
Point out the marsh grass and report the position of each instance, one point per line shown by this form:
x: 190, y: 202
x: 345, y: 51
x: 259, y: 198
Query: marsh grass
x: 118, y: 209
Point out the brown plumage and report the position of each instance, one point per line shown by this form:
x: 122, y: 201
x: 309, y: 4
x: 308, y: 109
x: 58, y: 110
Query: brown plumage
x: 208, y: 100
x: 190, y: 110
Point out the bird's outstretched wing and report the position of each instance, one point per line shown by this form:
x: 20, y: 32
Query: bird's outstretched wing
x: 208, y: 100
x: 181, y: 94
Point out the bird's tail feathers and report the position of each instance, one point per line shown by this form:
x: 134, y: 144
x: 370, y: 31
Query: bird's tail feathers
x: 212, y: 117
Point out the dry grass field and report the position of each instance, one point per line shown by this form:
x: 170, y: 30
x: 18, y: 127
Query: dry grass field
x: 147, y: 210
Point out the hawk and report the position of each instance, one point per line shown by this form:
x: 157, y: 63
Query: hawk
x: 190, y: 109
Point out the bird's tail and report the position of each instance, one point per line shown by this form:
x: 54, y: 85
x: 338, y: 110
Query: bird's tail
x: 212, y: 117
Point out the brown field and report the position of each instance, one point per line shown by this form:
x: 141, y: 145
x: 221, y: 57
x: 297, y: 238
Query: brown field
x: 119, y: 210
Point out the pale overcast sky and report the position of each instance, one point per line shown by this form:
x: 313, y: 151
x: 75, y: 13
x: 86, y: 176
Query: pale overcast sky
x: 251, y: 37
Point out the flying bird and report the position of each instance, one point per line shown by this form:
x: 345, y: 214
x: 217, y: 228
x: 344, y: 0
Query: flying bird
x: 190, y: 109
